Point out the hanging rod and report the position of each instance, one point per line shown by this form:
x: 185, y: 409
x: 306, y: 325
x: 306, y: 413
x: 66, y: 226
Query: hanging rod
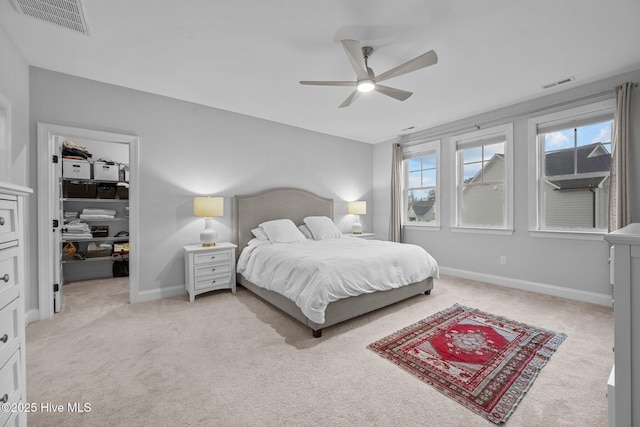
x: 421, y: 138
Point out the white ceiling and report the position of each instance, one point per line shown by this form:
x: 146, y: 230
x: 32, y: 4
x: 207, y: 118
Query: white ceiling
x: 247, y: 56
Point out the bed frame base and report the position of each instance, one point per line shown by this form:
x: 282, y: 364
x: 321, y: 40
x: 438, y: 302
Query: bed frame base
x: 343, y: 309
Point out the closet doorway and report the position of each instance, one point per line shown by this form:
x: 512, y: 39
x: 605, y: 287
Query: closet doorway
x: 102, y: 200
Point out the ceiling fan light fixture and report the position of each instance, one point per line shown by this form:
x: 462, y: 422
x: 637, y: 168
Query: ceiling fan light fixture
x: 366, y: 85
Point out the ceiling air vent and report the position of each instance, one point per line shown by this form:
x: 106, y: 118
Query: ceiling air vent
x: 63, y: 13
x: 558, y: 83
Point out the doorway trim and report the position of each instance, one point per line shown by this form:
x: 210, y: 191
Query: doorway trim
x: 48, y: 189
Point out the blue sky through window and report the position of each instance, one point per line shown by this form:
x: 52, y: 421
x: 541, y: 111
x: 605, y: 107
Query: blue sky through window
x: 597, y: 132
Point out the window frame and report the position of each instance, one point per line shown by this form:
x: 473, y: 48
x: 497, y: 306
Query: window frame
x: 468, y: 140
x: 419, y: 150
x: 577, y: 116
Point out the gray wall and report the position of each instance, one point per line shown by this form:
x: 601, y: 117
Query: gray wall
x: 14, y: 85
x: 574, y: 268
x: 188, y: 149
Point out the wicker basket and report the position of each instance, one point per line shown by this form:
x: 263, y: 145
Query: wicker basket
x: 106, y: 191
x: 78, y: 190
x: 123, y: 192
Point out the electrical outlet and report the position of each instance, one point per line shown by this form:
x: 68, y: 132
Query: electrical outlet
x: 503, y: 260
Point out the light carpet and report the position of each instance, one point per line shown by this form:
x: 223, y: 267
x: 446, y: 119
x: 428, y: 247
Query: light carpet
x: 233, y: 360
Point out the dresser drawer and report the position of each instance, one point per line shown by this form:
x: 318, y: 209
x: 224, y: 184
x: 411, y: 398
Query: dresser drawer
x: 13, y: 421
x: 8, y: 328
x: 8, y: 223
x: 10, y: 383
x: 215, y: 256
x: 8, y: 268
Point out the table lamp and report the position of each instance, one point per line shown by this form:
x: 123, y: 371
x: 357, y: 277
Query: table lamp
x: 357, y: 208
x: 208, y: 207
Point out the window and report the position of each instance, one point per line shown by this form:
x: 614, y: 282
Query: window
x: 421, y: 170
x: 483, y: 174
x: 573, y: 160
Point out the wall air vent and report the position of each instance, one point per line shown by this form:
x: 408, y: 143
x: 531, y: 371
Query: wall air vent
x: 63, y: 13
x: 558, y: 83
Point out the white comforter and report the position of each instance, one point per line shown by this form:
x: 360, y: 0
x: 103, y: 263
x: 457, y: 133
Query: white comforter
x: 314, y: 273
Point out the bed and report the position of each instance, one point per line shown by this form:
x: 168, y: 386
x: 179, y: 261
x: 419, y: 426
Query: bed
x: 297, y: 204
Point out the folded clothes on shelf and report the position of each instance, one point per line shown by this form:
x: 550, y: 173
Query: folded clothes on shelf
x: 77, y: 230
x: 94, y: 213
x: 71, y: 149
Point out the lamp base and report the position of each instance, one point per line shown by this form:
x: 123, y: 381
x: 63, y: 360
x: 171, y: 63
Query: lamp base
x: 208, y: 236
x: 356, y: 228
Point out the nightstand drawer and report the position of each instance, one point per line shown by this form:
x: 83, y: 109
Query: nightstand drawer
x: 212, y: 269
x: 217, y: 256
x: 221, y: 280
x: 8, y: 223
x: 8, y: 268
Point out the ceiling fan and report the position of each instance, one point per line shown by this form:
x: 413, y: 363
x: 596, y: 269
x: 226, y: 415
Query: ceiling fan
x: 367, y: 80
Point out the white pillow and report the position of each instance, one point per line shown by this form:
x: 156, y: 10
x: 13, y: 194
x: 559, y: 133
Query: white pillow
x: 282, y: 231
x: 259, y: 234
x: 305, y: 230
x: 322, y: 227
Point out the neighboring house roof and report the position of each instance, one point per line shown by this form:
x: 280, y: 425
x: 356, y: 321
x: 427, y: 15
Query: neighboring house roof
x: 587, y: 158
x: 421, y: 208
x: 577, y: 183
x: 486, y: 167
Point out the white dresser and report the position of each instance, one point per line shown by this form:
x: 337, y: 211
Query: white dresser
x: 12, y: 304
x: 626, y: 312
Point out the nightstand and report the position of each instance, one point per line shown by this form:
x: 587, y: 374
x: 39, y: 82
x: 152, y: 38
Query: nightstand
x: 209, y: 268
x: 368, y: 236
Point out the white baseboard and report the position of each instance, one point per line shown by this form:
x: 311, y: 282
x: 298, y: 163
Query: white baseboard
x: 31, y: 316
x: 541, y: 288
x: 155, y: 294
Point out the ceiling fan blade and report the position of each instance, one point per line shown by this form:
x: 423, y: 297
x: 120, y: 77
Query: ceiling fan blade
x: 327, y: 83
x: 422, y: 61
x: 398, y: 94
x: 354, y: 53
x: 350, y: 99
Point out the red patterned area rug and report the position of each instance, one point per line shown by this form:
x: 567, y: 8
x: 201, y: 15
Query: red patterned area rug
x: 483, y: 361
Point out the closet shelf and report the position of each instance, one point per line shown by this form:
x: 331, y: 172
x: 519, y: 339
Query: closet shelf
x: 101, y: 258
x: 100, y: 219
x: 91, y: 181
x: 97, y: 239
x: 71, y: 199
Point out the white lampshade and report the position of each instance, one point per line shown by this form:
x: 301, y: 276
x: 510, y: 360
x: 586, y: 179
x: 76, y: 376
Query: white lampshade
x: 357, y: 208
x: 208, y: 207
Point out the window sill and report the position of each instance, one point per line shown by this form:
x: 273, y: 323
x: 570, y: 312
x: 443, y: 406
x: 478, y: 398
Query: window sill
x: 497, y: 231
x: 577, y: 235
x: 421, y: 227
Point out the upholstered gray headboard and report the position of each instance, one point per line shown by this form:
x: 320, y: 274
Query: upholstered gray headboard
x: 276, y: 203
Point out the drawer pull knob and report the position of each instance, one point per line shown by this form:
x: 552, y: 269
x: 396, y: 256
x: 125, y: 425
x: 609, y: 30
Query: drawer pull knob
x: 213, y: 281
x: 213, y: 269
x: 5, y: 278
x: 5, y: 398
x: 4, y: 338
x: 1, y: 220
